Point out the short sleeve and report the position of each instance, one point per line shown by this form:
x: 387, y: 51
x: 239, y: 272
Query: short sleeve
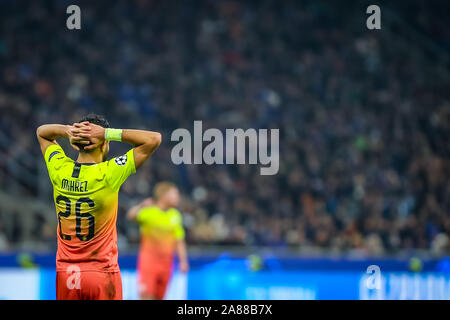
x: 119, y: 169
x: 142, y: 216
x: 178, y: 230
x: 54, y: 159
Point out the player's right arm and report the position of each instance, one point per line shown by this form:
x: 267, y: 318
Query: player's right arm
x: 53, y: 153
x: 132, y: 214
x: 48, y: 133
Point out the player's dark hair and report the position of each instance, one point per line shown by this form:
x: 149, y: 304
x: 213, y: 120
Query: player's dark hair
x: 96, y: 119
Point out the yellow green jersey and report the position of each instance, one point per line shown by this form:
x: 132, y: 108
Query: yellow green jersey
x: 86, y: 200
x: 160, y: 231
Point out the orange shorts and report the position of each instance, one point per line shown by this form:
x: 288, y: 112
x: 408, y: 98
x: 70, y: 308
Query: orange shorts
x: 154, y: 282
x: 88, y: 285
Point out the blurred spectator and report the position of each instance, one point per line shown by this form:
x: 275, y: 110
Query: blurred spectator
x: 3, y: 240
x: 363, y: 115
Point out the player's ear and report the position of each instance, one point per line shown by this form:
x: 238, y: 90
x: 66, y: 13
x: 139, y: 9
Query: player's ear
x: 105, y: 146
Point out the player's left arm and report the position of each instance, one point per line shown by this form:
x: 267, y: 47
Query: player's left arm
x: 48, y: 133
x: 182, y: 255
x: 181, y: 245
x: 144, y: 142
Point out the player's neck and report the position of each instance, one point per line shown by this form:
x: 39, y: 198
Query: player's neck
x: 91, y: 157
x: 163, y: 206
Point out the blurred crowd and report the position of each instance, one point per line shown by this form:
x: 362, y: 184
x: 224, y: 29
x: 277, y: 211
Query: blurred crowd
x: 363, y: 115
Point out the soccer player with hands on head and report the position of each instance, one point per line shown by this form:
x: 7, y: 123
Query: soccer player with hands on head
x: 85, y: 192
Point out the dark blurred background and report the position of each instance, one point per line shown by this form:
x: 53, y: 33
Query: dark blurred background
x: 363, y: 116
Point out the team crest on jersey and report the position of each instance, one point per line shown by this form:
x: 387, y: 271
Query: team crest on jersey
x: 122, y: 160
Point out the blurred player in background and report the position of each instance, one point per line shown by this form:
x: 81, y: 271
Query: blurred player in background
x: 86, y: 198
x: 162, y: 234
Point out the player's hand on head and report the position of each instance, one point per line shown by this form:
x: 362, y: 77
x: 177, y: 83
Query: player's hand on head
x: 80, y: 131
x: 76, y: 145
x: 147, y: 202
x: 96, y: 136
x: 79, y: 135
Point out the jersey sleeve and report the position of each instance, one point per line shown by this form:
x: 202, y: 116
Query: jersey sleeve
x: 119, y: 169
x: 179, y: 230
x: 142, y: 216
x: 54, y: 159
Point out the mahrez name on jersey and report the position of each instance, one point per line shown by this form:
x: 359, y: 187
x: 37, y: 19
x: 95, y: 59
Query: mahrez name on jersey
x: 75, y: 186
